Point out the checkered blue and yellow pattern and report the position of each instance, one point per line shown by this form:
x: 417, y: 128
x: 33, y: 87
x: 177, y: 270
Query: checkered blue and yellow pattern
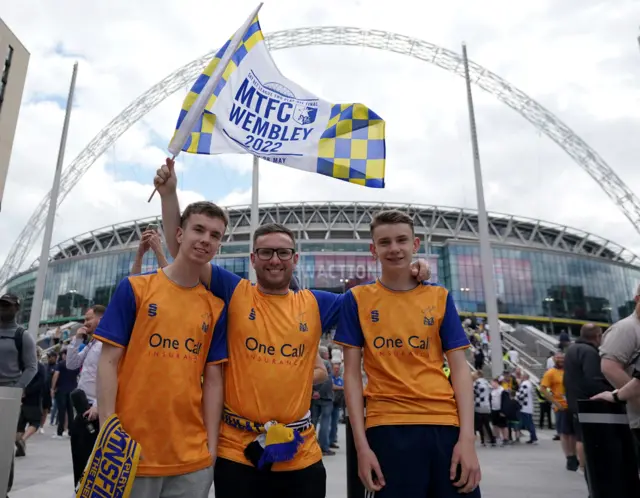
x: 352, y: 148
x: 199, y: 141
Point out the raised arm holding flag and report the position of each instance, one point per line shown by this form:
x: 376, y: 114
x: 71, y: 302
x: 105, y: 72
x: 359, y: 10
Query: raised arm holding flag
x: 202, y: 94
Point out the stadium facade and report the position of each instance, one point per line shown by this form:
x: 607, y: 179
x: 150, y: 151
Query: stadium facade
x: 545, y: 273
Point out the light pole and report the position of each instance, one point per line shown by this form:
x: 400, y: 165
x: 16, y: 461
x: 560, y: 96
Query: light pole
x: 465, y: 293
x: 73, y: 293
x: 549, y: 300
x: 486, y: 254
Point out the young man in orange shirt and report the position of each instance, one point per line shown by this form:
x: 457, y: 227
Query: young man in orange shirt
x: 273, y: 339
x: 552, y: 387
x: 161, y: 333
x: 419, y: 439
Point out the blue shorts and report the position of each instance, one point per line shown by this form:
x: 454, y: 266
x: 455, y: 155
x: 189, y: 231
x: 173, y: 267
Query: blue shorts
x: 564, y: 423
x: 415, y: 460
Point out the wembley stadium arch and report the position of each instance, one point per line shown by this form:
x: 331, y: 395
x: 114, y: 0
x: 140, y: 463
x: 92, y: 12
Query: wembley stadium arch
x: 538, y: 116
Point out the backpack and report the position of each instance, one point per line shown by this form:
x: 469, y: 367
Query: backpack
x: 17, y: 338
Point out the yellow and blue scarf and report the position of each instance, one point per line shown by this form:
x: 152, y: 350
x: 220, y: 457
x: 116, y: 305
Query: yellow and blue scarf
x: 112, y: 467
x: 275, y: 442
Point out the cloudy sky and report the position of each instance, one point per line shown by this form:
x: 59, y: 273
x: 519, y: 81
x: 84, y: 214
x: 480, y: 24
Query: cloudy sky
x: 578, y: 58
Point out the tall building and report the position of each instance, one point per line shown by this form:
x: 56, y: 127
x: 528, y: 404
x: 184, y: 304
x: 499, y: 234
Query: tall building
x: 14, y: 60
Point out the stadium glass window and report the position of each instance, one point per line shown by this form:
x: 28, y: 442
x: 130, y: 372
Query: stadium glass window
x: 234, y: 249
x: 5, y: 74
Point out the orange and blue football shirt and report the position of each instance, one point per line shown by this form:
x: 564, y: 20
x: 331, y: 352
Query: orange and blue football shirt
x: 273, y: 343
x: 553, y: 379
x: 169, y: 333
x: 404, y: 336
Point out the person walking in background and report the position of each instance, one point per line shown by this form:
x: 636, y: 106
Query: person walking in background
x: 583, y: 377
x: 525, y: 400
x: 478, y: 358
x: 545, y: 410
x: 499, y: 399
x: 482, y: 403
x: 64, y: 381
x: 550, y: 361
x: 84, y: 353
x: 47, y: 400
x: 322, y: 408
x: 18, y: 359
x: 564, y: 340
x: 338, y: 402
x: 484, y: 339
x: 552, y: 386
x: 511, y: 409
x: 31, y: 410
x: 513, y: 357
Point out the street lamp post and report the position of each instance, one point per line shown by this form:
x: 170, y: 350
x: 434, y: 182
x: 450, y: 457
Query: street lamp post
x: 73, y: 293
x: 465, y: 293
x: 549, y: 300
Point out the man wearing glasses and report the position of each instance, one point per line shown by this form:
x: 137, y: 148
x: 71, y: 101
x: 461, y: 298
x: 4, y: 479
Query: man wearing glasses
x: 273, y: 338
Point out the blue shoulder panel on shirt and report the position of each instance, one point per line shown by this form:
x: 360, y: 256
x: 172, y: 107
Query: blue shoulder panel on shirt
x: 223, y: 283
x: 452, y: 334
x: 218, y: 348
x: 349, y: 331
x: 329, y: 306
x: 119, y: 318
x: 431, y: 284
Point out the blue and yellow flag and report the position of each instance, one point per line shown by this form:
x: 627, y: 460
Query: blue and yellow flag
x: 250, y: 108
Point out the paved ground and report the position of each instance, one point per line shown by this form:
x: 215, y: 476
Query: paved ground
x: 517, y: 471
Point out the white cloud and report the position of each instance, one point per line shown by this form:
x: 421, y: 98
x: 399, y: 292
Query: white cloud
x: 579, y: 59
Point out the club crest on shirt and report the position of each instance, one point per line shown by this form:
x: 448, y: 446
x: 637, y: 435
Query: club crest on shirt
x: 427, y: 316
x: 206, y: 320
x: 302, y: 321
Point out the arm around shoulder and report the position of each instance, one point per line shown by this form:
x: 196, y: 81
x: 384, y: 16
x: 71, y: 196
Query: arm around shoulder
x: 222, y: 283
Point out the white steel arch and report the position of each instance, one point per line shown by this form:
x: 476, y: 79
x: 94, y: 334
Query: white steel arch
x: 537, y: 115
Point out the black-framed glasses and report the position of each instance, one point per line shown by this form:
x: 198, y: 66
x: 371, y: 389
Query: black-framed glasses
x: 283, y: 253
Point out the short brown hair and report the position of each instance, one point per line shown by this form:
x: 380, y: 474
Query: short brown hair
x: 590, y: 331
x: 391, y: 217
x: 98, y: 309
x: 207, y: 208
x: 272, y: 228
